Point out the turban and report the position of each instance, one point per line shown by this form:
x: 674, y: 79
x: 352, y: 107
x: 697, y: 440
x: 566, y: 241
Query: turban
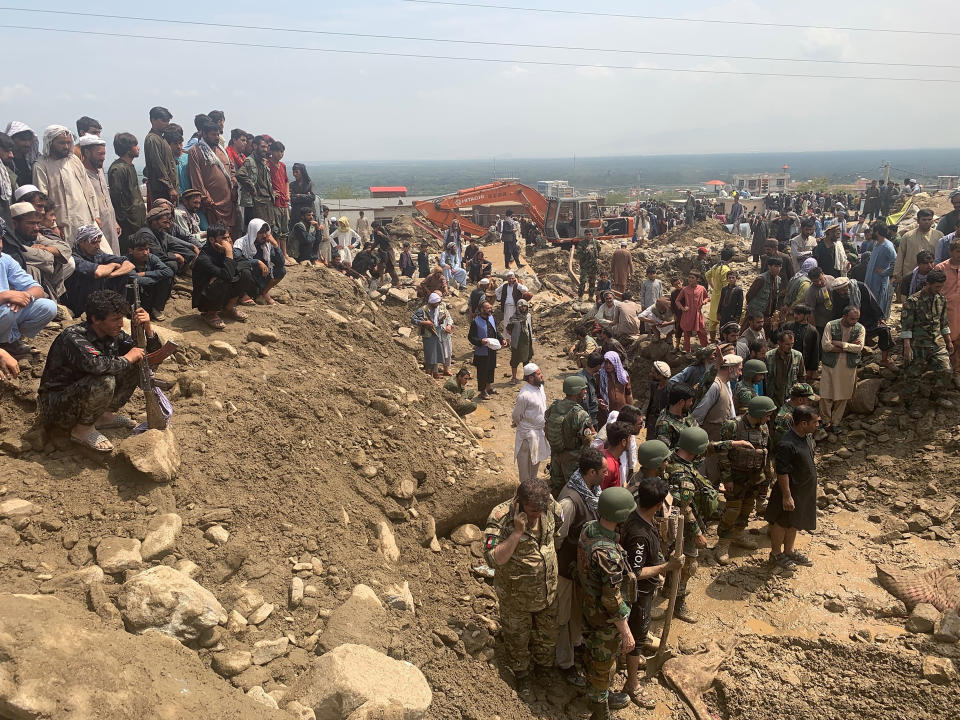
x: 484, y: 281
x: 191, y: 192
x: 51, y: 133
x: 434, y: 298
x: 157, y: 212
x: 86, y: 233
x: 88, y: 139
x: 530, y: 369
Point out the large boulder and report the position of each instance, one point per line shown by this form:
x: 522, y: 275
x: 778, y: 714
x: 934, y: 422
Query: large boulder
x: 154, y: 454
x: 352, y: 678
x: 57, y: 660
x: 864, y: 398
x: 165, y: 599
x: 359, y: 620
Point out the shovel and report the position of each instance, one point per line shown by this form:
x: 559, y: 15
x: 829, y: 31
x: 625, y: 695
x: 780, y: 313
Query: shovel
x: 655, y: 663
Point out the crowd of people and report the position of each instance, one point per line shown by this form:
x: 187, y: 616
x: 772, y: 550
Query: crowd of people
x: 220, y: 217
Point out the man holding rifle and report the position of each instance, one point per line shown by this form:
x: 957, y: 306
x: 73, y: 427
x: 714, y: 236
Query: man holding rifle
x: 92, y: 370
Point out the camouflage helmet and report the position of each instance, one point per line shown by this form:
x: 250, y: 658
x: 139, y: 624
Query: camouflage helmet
x: 754, y: 367
x: 616, y: 504
x: 652, y: 454
x: 693, y: 440
x: 574, y: 385
x: 760, y: 406
x: 802, y: 390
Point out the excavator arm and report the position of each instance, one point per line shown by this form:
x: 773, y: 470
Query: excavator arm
x: 443, y: 211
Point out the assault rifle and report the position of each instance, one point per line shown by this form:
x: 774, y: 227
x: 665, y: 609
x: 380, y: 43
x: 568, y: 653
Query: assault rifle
x: 156, y: 417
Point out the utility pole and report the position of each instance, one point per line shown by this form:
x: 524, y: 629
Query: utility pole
x: 886, y: 172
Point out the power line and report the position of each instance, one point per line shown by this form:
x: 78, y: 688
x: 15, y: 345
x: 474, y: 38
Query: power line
x: 491, y: 43
x: 505, y: 61
x: 755, y: 23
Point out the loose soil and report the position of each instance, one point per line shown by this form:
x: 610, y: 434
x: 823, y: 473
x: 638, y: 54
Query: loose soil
x: 299, y: 454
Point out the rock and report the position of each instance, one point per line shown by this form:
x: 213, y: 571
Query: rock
x: 834, y: 606
x: 938, y: 670
x: 336, y: 317
x: 296, y: 592
x: 466, y: 534
x: 399, y: 597
x: 187, y: 567
x: 257, y: 694
x: 245, y: 600
x: 404, y: 489
x: 404, y: 331
x: 102, y: 606
x: 251, y: 677
x: 217, y: 534
x: 231, y: 662
x: 948, y: 627
x: 266, y: 650
x: 388, y: 543
x: 864, y: 398
x: 116, y: 554
x: 359, y: 620
x: 260, y: 614
x: 164, y: 599
x: 81, y: 578
x: 923, y: 618
x: 60, y: 661
x: 300, y: 712
x: 918, y: 522
x: 447, y: 635
x: 154, y: 454
x: 18, y: 512
x: 400, y: 296
x: 161, y: 535
x: 387, y: 407
x: 236, y: 623
x: 8, y: 536
x: 262, y: 335
x: 345, y: 679
x: 221, y: 349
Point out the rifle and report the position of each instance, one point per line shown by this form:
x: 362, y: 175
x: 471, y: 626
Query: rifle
x: 156, y: 419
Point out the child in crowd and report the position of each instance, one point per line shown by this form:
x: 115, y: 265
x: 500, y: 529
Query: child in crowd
x: 407, y: 266
x: 651, y: 290
x: 603, y: 284
x: 730, y: 306
x: 691, y: 299
x: 423, y: 260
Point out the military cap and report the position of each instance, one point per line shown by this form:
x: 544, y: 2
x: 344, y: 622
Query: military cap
x: 760, y: 406
x: 652, y: 454
x: 616, y: 504
x: 802, y: 390
x: 693, y: 440
x: 574, y: 385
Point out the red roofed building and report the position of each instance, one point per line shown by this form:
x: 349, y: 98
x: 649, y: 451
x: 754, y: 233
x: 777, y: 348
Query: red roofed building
x: 388, y: 192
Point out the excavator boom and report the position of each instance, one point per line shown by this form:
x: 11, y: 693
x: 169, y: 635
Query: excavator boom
x: 443, y: 211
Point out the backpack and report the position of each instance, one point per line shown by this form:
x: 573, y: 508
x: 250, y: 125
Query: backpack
x: 706, y: 500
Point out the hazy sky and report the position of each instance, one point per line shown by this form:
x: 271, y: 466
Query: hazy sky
x: 330, y: 106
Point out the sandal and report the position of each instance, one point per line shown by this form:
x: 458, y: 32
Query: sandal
x: 800, y: 559
x: 248, y: 301
x: 213, y: 320
x: 119, y: 422
x: 235, y: 314
x: 783, y: 561
x: 94, y: 440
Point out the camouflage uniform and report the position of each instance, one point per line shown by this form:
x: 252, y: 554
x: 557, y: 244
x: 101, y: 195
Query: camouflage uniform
x: 609, y: 587
x: 923, y: 321
x: 527, y: 586
x: 567, y: 422
x: 460, y: 398
x: 742, y: 472
x: 781, y: 423
x: 588, y: 254
x: 706, y: 382
x: 669, y: 427
x: 743, y: 395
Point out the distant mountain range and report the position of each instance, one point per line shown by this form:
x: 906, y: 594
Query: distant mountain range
x: 653, y: 171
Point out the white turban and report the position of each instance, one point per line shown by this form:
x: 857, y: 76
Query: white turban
x: 24, y: 190
x: 530, y: 369
x: 51, y: 133
x: 88, y: 139
x: 434, y: 298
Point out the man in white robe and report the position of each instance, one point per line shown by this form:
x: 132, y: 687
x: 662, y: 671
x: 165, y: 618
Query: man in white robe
x: 530, y: 445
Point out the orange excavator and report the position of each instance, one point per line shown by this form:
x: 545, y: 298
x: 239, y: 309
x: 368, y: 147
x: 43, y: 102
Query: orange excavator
x: 561, y: 220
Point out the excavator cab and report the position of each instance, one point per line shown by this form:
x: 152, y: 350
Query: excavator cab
x: 567, y: 218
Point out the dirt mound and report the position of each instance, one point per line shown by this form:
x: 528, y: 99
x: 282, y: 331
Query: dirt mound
x: 682, y: 236
x: 823, y: 680
x: 403, y: 229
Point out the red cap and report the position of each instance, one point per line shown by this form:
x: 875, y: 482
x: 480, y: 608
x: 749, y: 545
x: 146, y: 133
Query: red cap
x: 702, y: 250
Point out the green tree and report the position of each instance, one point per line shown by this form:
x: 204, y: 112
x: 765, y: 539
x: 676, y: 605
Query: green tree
x: 342, y: 192
x: 814, y: 184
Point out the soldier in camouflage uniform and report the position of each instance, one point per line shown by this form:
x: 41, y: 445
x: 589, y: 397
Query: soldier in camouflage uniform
x: 696, y: 499
x: 754, y: 373
x: 923, y: 322
x: 460, y: 397
x: 519, y: 544
x: 588, y: 255
x: 742, y: 473
x: 569, y: 430
x: 676, y: 416
x: 609, y: 588
x: 800, y: 394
